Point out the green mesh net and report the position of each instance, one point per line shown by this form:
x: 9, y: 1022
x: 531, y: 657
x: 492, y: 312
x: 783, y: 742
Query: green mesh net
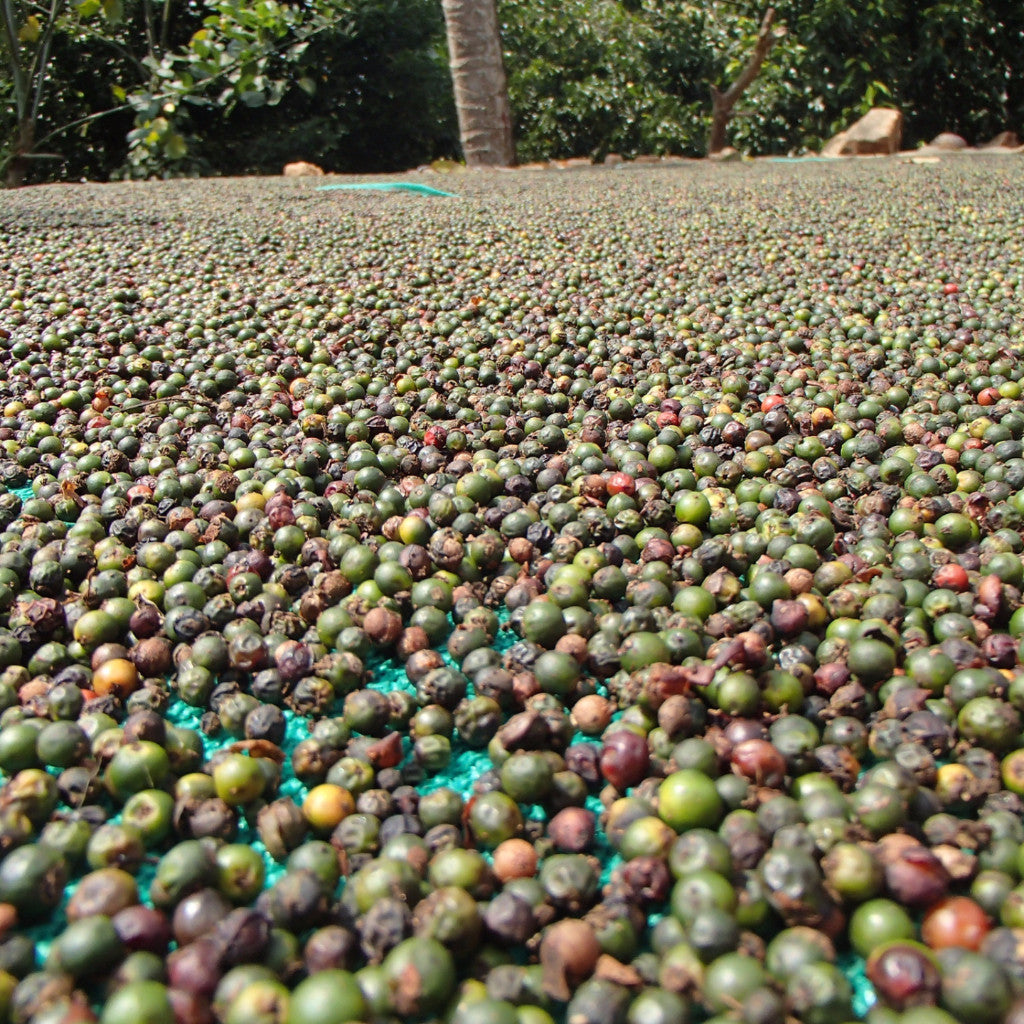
x: 460, y: 775
x: 389, y: 186
x: 863, y: 993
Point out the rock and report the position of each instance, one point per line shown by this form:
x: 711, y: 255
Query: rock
x: 613, y: 160
x: 726, y: 156
x: 879, y: 131
x: 948, y: 141
x: 444, y: 166
x: 1004, y: 140
x: 301, y: 169
x: 834, y: 146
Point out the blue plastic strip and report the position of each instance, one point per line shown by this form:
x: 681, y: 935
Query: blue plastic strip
x: 390, y: 186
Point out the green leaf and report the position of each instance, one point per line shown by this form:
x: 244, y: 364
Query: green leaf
x: 144, y: 104
x: 254, y: 98
x: 87, y: 8
x: 175, y: 146
x: 120, y: 94
x: 307, y: 85
x: 31, y: 30
x: 113, y: 11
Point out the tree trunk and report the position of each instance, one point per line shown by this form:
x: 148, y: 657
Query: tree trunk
x: 478, y: 79
x: 722, y: 103
x: 17, y: 168
x: 721, y: 115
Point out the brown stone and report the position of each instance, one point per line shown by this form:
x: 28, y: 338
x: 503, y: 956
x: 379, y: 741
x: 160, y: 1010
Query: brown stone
x: 948, y: 141
x: 1004, y: 140
x: 302, y: 169
x: 878, y: 132
x: 834, y: 146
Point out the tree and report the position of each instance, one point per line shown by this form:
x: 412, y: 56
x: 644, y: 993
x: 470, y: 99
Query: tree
x: 592, y: 77
x: 723, y: 103
x: 382, y: 100
x: 478, y: 80
x: 159, y: 62
x: 158, y: 87
x: 242, y: 52
x: 28, y: 38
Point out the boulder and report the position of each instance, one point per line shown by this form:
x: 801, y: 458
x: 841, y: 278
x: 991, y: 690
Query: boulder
x: 1004, y: 140
x: 834, y: 146
x: 948, y: 141
x: 879, y: 131
x: 301, y: 169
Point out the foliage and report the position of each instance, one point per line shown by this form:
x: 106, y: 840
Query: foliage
x: 242, y: 52
x: 160, y: 64
x: 633, y: 76
x: 33, y: 38
x: 378, y: 98
x: 140, y: 87
x: 588, y: 77
x: 952, y: 65
x: 184, y: 86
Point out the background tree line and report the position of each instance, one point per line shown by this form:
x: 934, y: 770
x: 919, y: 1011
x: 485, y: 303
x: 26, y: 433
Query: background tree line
x: 233, y: 87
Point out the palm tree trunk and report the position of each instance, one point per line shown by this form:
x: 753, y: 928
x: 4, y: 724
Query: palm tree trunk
x: 478, y: 79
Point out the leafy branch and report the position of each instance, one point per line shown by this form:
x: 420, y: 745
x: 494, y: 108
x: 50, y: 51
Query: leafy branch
x: 230, y: 59
x: 723, y: 103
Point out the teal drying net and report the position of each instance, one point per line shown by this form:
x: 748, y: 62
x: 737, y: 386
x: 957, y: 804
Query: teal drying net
x: 464, y: 768
x: 389, y: 186
x: 462, y: 771
x: 863, y: 992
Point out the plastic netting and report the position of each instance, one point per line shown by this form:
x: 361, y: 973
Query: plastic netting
x: 464, y: 768
x: 390, y: 186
